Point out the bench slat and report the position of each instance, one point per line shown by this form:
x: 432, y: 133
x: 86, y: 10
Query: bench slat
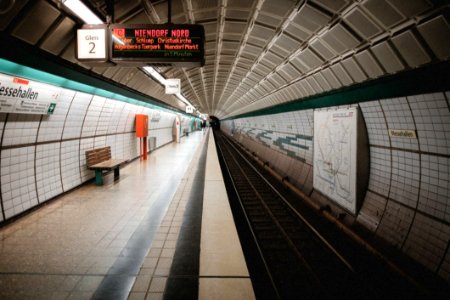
x: 108, y: 164
x: 98, y: 155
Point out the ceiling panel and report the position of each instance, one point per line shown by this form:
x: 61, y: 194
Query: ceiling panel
x: 331, y: 78
x: 293, y: 48
x: 279, y: 8
x: 387, y: 57
x: 322, y: 49
x: 263, y: 33
x: 310, y: 59
x: 9, y: 12
x: 314, y: 85
x: 322, y: 82
x: 269, y: 20
x: 300, y: 65
x: 339, y: 39
x: 288, y: 43
x: 354, y: 70
x: 59, y: 38
x: 369, y: 64
x: 33, y: 25
x: 361, y: 23
x: 237, y: 14
x: 436, y: 33
x: 341, y: 74
x: 311, y: 18
x: 205, y: 15
x: 288, y: 71
x: 410, y: 49
x: 299, y: 33
x: 332, y: 5
x: 383, y: 12
x: 411, y: 8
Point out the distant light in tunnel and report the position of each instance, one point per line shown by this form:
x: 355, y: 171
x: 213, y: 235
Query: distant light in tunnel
x: 155, y: 74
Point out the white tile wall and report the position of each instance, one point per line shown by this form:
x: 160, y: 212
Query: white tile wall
x: 75, y: 117
x: 92, y: 116
x: 395, y: 223
x: 119, y: 149
x: 375, y: 123
x: 130, y: 146
x: 2, y: 125
x: 100, y: 141
x: 70, y: 164
x: 435, y: 186
x: 48, y: 174
x: 409, y: 179
x: 111, y: 142
x: 21, y: 129
x: 372, y: 210
x: 405, y: 177
x: 52, y: 126
x: 56, y: 161
x: 18, y: 180
x: 432, y: 117
x: 85, y: 144
x: 130, y: 124
x: 115, y: 117
x: 427, y: 241
x: 123, y: 118
x: 105, y: 117
x: 398, y: 116
x: 444, y: 270
x: 380, y: 171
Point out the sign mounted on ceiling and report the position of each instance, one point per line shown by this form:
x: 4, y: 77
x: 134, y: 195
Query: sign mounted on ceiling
x: 92, y: 43
x: 173, y: 86
x: 169, y: 44
x: 189, y: 109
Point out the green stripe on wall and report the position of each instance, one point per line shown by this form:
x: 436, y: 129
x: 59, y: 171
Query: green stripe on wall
x: 429, y: 79
x: 23, y: 60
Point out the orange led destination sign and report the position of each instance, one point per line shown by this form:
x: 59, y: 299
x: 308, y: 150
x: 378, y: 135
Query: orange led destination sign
x: 174, y: 44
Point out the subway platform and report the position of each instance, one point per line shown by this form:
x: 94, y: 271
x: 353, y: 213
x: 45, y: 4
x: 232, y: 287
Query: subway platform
x: 164, y: 230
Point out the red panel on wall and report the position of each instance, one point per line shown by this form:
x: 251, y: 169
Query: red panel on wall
x: 141, y: 125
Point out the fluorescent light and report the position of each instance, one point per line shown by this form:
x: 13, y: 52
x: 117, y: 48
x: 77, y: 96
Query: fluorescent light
x: 82, y: 11
x: 182, y: 98
x: 162, y: 80
x: 155, y: 74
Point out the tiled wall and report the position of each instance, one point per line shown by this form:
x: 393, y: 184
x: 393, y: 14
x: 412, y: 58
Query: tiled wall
x: 408, y: 197
x: 44, y: 156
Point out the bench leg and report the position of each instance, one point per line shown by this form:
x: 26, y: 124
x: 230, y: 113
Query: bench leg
x: 116, y: 173
x: 98, y: 177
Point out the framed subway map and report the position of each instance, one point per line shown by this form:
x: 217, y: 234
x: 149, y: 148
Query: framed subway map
x: 335, y: 155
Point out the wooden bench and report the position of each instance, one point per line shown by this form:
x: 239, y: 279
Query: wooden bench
x: 100, y: 160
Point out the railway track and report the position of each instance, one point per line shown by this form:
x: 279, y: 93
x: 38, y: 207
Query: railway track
x: 300, y: 261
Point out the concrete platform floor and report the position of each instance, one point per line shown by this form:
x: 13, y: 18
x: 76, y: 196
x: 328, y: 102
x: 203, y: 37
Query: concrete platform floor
x: 121, y: 240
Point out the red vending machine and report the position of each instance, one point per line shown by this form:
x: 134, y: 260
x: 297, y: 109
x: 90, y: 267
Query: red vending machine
x: 142, y: 133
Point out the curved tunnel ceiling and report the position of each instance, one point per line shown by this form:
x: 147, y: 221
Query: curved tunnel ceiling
x: 258, y: 53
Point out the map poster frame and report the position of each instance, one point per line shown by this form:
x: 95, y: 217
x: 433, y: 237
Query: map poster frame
x: 335, y: 155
